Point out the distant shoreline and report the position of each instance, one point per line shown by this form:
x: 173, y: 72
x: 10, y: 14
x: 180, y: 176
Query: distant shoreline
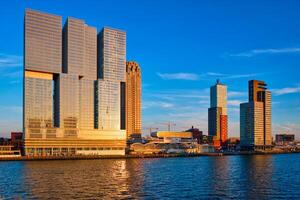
x: 141, y: 156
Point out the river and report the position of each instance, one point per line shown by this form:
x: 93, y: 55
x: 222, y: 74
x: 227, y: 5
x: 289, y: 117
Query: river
x: 224, y: 177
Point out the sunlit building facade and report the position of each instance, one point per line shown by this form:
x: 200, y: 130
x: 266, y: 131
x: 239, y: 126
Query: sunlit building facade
x: 61, y: 88
x: 255, y: 117
x: 133, y: 100
x: 111, y: 77
x: 217, y: 114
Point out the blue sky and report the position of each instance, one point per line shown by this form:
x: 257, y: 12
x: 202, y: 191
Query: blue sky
x: 182, y: 48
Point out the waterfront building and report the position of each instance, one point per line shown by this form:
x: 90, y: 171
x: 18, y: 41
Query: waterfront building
x: 110, y: 90
x: 16, y: 139
x: 284, y: 139
x: 197, y: 134
x: 8, y: 151
x: 255, y: 117
x: 133, y: 100
x: 217, y: 114
x: 72, y: 103
x: 173, y: 137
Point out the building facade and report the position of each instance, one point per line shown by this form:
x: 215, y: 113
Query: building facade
x: 284, y: 139
x: 255, y: 118
x: 62, y: 88
x: 133, y: 100
x: 217, y: 114
x: 111, y: 77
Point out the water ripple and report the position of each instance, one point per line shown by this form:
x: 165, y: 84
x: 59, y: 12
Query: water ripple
x: 228, y: 177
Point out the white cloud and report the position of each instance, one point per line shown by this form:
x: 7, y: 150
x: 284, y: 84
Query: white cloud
x: 237, y: 94
x: 178, y: 76
x: 10, y: 61
x: 204, y: 76
x: 241, y: 76
x: 157, y: 104
x: 177, y: 94
x: 234, y: 102
x: 16, y: 109
x: 255, y: 52
x: 287, y: 90
x: 215, y: 74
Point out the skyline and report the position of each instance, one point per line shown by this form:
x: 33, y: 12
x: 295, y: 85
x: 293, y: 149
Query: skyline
x: 176, y: 75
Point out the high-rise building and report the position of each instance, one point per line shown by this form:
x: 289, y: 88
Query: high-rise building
x: 217, y: 114
x: 133, y: 100
x: 62, y: 87
x: 255, y: 117
x: 111, y: 77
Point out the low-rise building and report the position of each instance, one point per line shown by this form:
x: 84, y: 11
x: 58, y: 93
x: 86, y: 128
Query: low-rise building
x: 284, y: 139
x: 197, y: 134
x: 173, y: 137
x: 16, y: 139
x: 6, y: 151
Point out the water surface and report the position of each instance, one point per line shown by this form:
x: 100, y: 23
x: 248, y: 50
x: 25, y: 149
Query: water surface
x: 227, y: 177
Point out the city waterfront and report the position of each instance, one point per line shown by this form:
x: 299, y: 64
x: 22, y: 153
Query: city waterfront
x: 225, y: 177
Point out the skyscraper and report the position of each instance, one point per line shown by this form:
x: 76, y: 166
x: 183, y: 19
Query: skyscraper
x: 255, y: 117
x: 217, y: 114
x: 111, y: 77
x: 133, y: 100
x: 64, y: 98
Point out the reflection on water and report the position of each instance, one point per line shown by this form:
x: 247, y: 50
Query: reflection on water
x: 257, y: 180
x: 86, y: 179
x: 235, y: 177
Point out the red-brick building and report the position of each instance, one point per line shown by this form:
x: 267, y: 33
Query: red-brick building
x: 16, y: 139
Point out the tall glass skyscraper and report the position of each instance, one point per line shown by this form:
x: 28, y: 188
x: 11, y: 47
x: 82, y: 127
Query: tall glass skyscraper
x: 111, y: 75
x: 255, y: 117
x: 217, y: 114
x: 66, y: 94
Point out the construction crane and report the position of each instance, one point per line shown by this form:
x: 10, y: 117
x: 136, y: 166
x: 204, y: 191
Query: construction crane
x: 169, y: 124
x: 150, y: 129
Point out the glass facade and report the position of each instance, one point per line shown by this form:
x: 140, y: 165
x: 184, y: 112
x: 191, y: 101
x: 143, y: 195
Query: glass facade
x: 112, y: 55
x: 73, y: 46
x: 63, y: 99
x: 43, y: 49
x: 111, y: 73
x: 38, y: 106
x: 108, y: 105
x: 90, y: 59
x: 67, y: 106
x: 87, y: 97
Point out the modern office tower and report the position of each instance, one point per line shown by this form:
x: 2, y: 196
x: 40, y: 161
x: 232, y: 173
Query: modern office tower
x: 111, y: 77
x: 217, y: 114
x: 42, y: 58
x: 60, y: 82
x: 133, y: 100
x: 255, y: 117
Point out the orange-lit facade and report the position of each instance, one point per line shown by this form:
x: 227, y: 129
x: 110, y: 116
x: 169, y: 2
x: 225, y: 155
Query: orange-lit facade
x: 133, y: 100
x: 217, y: 114
x: 255, y: 117
x: 60, y: 82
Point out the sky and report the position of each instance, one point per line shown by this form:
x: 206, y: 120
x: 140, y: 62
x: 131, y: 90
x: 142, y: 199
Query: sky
x: 182, y: 47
